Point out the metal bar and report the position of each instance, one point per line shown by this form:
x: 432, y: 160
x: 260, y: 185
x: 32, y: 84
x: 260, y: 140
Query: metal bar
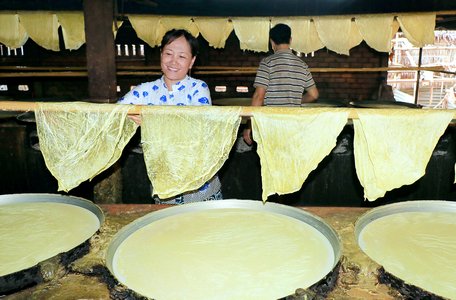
x: 418, y: 74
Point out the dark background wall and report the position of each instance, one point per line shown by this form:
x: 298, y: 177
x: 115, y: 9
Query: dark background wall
x: 332, y: 85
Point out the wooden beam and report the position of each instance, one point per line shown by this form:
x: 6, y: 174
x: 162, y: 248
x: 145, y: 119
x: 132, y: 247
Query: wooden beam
x: 100, y: 52
x: 10, y: 72
x: 246, y: 111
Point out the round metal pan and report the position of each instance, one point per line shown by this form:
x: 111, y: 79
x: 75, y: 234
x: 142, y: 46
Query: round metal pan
x: 8, y: 114
x: 30, y: 276
x: 77, y: 201
x: 396, y: 208
x: 232, y: 102
x: 400, y: 207
x: 248, y: 101
x: 27, y: 117
x: 382, y: 104
x: 299, y: 214
x: 324, y: 103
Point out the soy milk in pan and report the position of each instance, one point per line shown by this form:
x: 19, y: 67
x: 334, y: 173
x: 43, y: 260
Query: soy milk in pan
x: 222, y: 253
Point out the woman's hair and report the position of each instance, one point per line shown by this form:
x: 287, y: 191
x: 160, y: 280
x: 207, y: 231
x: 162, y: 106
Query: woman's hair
x: 174, y: 34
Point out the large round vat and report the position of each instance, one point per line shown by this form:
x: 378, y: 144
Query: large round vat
x: 38, y: 227
x: 414, y: 242
x: 228, y: 249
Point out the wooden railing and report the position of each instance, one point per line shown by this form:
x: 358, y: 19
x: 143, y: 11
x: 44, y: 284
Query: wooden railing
x: 26, y: 71
x: 246, y: 111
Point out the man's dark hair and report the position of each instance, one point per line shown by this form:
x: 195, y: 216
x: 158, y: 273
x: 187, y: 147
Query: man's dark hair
x: 280, y: 34
x: 174, y: 34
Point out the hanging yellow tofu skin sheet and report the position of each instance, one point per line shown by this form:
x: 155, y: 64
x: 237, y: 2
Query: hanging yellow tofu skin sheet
x: 292, y: 142
x: 393, y: 146
x: 185, y: 146
x: 80, y: 140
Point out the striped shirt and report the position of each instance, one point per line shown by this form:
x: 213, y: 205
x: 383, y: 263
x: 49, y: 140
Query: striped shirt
x: 285, y: 78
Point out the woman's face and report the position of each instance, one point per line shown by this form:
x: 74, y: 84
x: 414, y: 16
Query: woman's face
x: 175, y: 60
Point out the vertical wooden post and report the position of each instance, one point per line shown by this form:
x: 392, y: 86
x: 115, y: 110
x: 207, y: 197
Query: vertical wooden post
x: 100, y: 53
x: 101, y: 69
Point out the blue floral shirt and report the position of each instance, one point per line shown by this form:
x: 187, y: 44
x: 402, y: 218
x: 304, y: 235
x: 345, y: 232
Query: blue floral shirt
x: 188, y: 91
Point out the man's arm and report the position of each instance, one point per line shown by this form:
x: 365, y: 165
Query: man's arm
x: 257, y: 100
x: 258, y: 96
x: 310, y: 95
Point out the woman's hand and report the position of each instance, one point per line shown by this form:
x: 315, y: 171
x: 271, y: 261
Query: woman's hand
x: 248, y: 136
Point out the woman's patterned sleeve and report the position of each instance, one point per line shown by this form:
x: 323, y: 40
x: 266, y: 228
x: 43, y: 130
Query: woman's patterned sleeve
x: 136, y: 96
x: 203, y: 94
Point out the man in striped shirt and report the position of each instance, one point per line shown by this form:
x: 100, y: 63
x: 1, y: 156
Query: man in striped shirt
x: 282, y: 79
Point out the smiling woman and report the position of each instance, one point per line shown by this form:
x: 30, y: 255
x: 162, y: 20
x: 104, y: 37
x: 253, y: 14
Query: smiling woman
x: 177, y: 55
x: 176, y: 59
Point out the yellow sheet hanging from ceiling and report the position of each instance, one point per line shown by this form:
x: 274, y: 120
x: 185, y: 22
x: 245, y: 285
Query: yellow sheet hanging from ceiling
x: 80, y: 140
x: 418, y: 28
x: 147, y: 28
x: 377, y: 30
x: 214, y: 30
x: 184, y: 147
x: 338, y: 33
x: 12, y: 33
x: 355, y: 37
x: 393, y: 146
x: 42, y: 27
x: 292, y: 142
x: 253, y: 33
x: 304, y: 34
x: 187, y: 23
x: 72, y: 29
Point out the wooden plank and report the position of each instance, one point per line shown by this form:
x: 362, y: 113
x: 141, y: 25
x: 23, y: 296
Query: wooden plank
x: 16, y: 71
x: 101, y: 65
x: 246, y: 111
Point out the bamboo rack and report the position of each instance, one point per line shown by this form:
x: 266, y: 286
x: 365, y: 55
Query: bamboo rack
x: 246, y: 111
x: 21, y: 71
